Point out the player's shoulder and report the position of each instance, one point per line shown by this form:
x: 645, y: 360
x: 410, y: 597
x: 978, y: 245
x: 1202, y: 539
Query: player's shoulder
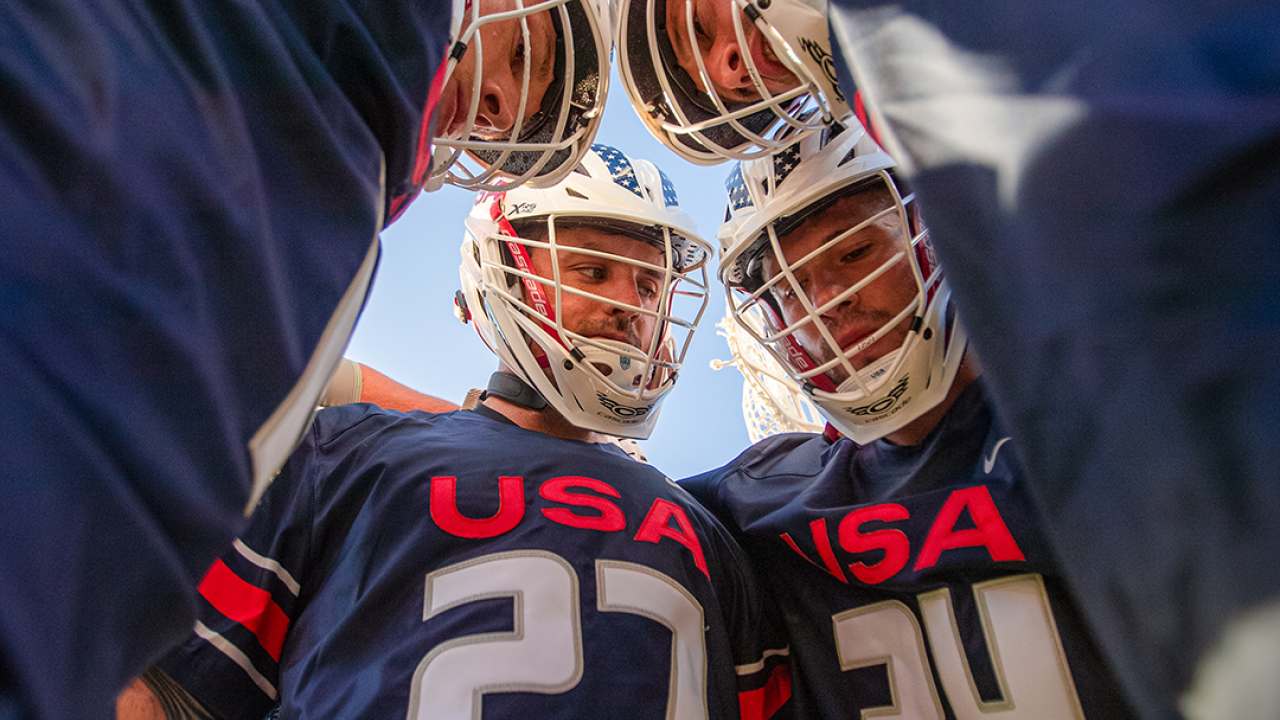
x: 785, y: 454
x: 360, y: 419
x: 777, y: 456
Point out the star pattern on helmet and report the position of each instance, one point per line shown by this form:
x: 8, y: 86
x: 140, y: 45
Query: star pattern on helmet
x: 620, y: 168
x: 737, y: 187
x: 784, y: 162
x: 668, y: 191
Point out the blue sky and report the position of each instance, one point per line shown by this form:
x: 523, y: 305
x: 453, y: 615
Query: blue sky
x: 408, y: 330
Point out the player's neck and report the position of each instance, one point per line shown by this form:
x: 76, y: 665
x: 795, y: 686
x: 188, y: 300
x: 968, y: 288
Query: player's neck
x: 919, y: 429
x: 547, y: 421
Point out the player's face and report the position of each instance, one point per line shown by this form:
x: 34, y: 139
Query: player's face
x: 713, y: 36
x: 628, y: 287
x: 876, y: 250
x: 503, y: 55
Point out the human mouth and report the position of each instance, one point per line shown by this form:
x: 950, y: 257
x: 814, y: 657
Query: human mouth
x: 618, y: 337
x: 857, y: 343
x: 770, y: 67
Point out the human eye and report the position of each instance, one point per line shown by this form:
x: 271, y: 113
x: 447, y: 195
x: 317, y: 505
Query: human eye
x: 784, y: 292
x: 648, y: 289
x: 591, y: 272
x: 856, y: 254
x: 698, y: 30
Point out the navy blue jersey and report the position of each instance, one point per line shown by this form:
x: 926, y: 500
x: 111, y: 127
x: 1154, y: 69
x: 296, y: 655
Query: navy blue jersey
x: 415, y: 564
x: 1102, y: 183
x: 915, y: 577
x: 188, y: 192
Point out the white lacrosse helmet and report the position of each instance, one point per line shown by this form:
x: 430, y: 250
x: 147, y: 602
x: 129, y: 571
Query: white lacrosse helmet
x: 769, y: 38
x: 865, y: 398
x: 604, y: 385
x: 546, y: 145
x: 772, y: 402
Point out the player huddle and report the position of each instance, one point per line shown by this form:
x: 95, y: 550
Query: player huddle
x: 506, y: 559
x: 540, y: 553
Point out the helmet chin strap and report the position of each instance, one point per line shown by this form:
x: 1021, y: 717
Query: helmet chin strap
x: 513, y: 389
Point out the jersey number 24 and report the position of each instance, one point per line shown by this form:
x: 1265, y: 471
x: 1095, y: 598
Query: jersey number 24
x: 1025, y: 649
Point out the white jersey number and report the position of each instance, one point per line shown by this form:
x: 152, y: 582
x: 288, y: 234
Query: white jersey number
x: 543, y: 653
x: 1022, y: 638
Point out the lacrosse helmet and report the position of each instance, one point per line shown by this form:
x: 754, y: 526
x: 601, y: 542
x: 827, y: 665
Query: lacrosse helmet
x: 781, y: 44
x: 545, y: 142
x: 600, y: 384
x: 826, y: 344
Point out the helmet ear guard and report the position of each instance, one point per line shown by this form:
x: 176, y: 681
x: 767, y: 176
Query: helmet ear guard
x: 596, y: 382
x: 772, y: 197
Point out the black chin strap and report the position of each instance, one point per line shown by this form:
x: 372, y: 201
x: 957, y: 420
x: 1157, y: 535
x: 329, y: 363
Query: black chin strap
x: 513, y: 389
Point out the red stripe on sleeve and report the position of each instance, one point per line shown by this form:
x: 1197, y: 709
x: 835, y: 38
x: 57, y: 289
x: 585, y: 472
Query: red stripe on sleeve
x: 250, y: 606
x: 762, y: 703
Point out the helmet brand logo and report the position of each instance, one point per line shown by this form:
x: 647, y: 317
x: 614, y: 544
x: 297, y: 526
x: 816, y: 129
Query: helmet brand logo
x: 523, y: 208
x: 623, y: 410
x: 883, y: 404
x: 537, y: 298
x: 624, y: 362
x: 821, y: 56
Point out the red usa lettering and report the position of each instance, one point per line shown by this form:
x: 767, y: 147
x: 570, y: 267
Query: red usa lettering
x: 989, y: 532
x: 583, y: 510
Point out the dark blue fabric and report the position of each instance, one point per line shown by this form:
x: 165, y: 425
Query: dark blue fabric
x: 353, y: 518
x: 1119, y: 278
x: 844, y: 531
x: 186, y: 191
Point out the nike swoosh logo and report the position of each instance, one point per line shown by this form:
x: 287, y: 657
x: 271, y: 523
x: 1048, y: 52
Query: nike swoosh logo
x: 989, y: 462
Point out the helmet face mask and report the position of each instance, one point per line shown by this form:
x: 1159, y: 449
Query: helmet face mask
x: 777, y: 52
x: 829, y: 252
x: 846, y: 296
x: 557, y: 54
x: 590, y: 290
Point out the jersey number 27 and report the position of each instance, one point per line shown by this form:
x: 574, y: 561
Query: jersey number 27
x: 544, y: 652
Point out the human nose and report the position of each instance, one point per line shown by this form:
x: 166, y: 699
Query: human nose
x: 727, y: 66
x: 827, y: 284
x: 496, y: 109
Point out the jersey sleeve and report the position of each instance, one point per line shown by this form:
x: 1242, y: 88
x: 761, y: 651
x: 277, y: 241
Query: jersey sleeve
x: 755, y: 631
x: 789, y: 453
x: 762, y: 653
x: 248, y: 599
x: 762, y: 659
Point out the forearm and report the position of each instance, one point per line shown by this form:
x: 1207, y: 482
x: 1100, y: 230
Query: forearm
x: 354, y: 382
x: 387, y: 393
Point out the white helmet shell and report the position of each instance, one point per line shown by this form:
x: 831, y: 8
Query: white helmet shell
x: 596, y: 383
x: 698, y: 124
x: 547, y: 142
x: 864, y: 398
